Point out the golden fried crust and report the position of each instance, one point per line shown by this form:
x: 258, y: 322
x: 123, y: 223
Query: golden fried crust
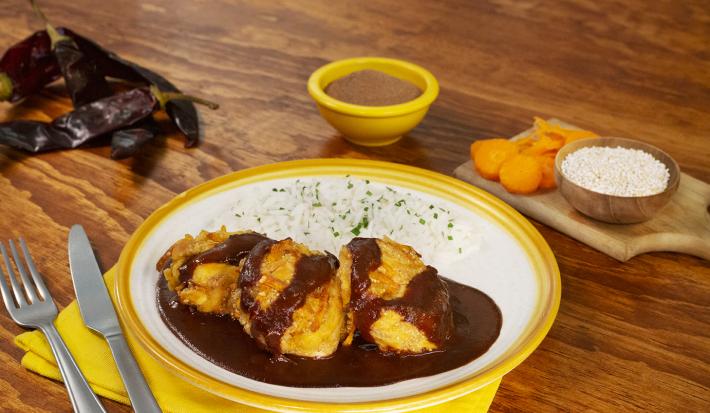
x: 400, y: 263
x: 277, y: 270
x: 396, y: 265
x: 316, y: 327
x: 344, y: 275
x: 210, y: 285
x: 185, y: 248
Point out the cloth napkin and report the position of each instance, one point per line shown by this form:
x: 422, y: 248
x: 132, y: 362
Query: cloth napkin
x: 172, y: 393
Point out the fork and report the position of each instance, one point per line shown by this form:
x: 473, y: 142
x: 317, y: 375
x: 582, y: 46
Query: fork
x: 38, y: 310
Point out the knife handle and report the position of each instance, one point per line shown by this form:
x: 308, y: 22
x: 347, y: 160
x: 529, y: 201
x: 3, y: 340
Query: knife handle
x: 142, y: 399
x: 82, y: 398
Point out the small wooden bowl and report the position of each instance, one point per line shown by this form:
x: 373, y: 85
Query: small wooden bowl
x: 610, y: 208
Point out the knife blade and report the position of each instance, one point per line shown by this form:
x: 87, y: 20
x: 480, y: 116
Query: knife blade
x: 99, y: 315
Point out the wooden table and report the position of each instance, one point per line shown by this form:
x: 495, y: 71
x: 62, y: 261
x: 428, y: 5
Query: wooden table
x: 629, y: 336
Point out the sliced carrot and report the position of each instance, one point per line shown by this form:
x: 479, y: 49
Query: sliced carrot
x: 491, y: 154
x: 547, y: 165
x: 521, y: 174
x: 475, y: 146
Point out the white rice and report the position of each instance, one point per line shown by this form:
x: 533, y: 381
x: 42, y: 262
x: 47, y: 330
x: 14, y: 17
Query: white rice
x: 326, y: 213
x: 616, y: 171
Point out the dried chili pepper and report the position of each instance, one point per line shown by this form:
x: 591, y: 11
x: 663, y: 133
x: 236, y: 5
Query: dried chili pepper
x: 83, y: 80
x: 126, y: 142
x: 183, y: 114
x: 90, y: 121
x: 27, y: 67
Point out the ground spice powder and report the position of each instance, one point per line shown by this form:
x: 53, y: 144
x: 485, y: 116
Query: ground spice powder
x: 372, y: 88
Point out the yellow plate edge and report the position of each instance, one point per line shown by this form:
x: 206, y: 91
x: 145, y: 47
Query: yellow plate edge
x: 537, y: 249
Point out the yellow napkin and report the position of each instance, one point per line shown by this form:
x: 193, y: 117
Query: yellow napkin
x: 173, y: 394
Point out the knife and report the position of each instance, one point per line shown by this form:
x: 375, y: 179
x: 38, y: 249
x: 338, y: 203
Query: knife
x: 98, y: 314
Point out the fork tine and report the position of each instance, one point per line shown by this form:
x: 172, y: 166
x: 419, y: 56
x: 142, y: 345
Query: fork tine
x: 19, y: 297
x: 7, y: 295
x: 36, y: 276
x: 29, y: 287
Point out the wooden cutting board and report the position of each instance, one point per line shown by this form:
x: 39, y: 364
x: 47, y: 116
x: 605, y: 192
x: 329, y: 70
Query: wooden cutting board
x: 681, y: 226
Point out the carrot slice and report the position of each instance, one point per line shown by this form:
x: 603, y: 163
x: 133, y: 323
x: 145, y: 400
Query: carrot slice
x: 547, y: 165
x: 475, y: 146
x: 491, y: 154
x: 521, y: 174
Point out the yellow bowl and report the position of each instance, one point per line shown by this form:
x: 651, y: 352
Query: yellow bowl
x: 373, y: 125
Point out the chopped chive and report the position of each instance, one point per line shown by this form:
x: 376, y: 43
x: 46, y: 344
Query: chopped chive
x: 450, y: 238
x: 317, y: 204
x: 436, y: 216
x: 368, y: 193
x: 350, y: 185
x: 282, y: 190
x: 367, y: 181
x: 451, y: 225
x: 431, y: 206
x: 274, y: 189
x: 422, y: 221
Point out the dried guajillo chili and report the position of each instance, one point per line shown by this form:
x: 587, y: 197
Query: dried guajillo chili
x: 91, y: 120
x: 27, y: 67
x: 126, y: 142
x: 83, y: 80
x: 182, y: 113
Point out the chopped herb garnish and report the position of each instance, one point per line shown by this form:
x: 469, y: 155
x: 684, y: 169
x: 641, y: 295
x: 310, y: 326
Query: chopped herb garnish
x: 367, y: 208
x: 368, y: 193
x: 450, y: 238
x: 274, y: 189
x: 451, y: 225
x: 362, y: 224
x: 238, y: 215
x: 367, y: 181
x: 390, y: 189
x: 436, y: 216
x: 317, y: 205
x: 459, y: 250
x: 282, y: 190
x: 336, y: 234
x: 431, y: 206
x: 400, y: 203
x: 350, y: 185
x: 422, y: 221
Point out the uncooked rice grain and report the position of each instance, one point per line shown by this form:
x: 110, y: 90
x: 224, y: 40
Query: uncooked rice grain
x: 616, y: 171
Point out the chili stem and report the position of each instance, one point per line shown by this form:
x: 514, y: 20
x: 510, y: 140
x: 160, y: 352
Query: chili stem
x: 51, y: 31
x: 165, y: 97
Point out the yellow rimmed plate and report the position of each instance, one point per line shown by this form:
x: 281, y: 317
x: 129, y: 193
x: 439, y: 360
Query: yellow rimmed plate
x: 514, y: 265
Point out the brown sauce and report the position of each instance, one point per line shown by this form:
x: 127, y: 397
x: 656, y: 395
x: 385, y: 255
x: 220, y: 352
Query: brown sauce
x: 222, y: 341
x: 230, y: 251
x: 424, y: 304
x: 270, y: 325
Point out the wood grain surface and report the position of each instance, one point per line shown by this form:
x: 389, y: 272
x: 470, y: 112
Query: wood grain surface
x: 631, y: 336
